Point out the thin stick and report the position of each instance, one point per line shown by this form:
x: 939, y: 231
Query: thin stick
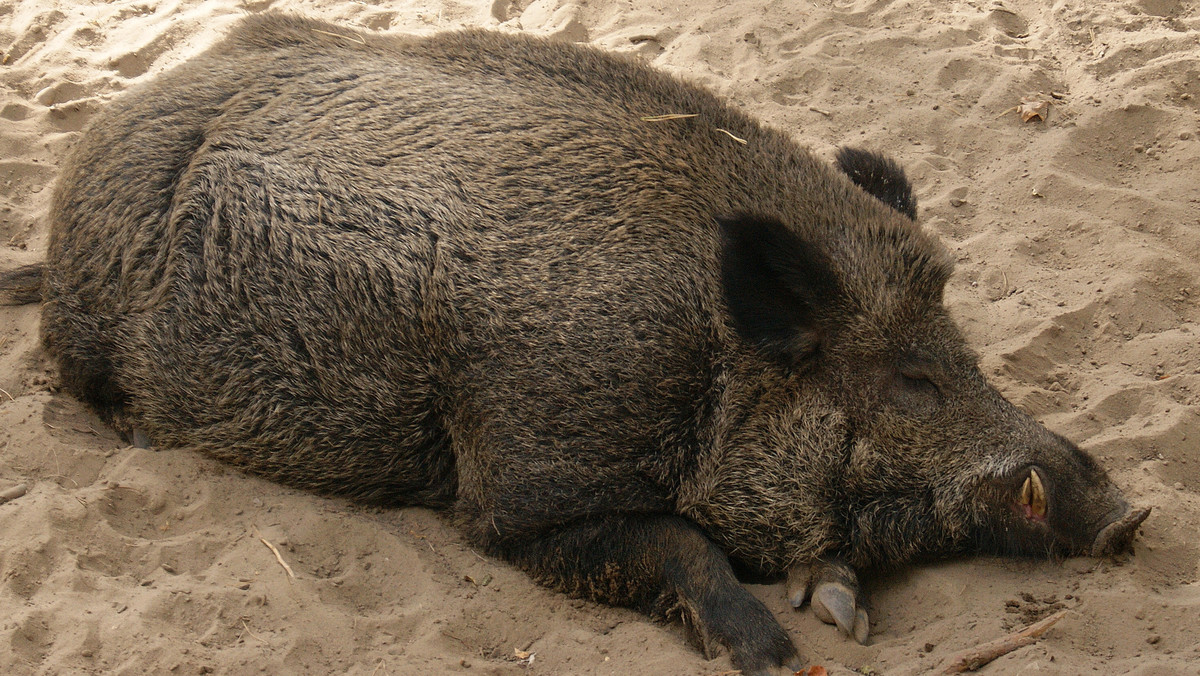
x: 13, y: 493
x: 278, y: 556
x: 730, y: 135
x: 261, y: 639
x: 970, y: 660
x: 669, y: 116
x: 10, y: 397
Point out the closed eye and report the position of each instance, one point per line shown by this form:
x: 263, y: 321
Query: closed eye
x: 917, y: 382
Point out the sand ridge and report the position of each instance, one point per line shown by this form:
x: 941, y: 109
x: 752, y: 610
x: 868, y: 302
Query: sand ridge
x: 1078, y: 249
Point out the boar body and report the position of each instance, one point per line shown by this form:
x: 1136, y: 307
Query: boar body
x: 466, y: 271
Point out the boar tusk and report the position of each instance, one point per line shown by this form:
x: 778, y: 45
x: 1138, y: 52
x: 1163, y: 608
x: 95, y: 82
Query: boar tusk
x: 1038, y: 502
x: 1026, y: 494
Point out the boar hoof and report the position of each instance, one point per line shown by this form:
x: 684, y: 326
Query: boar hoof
x: 799, y: 584
x: 833, y: 603
x: 833, y: 588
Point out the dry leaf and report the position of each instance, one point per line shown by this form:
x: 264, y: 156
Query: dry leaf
x: 1031, y: 107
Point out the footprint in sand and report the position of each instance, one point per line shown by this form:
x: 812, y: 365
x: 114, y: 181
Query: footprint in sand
x: 547, y: 18
x: 1009, y: 22
x: 379, y: 21
x: 138, y: 62
x: 15, y: 111
x: 59, y: 92
x: 34, y: 35
x: 70, y: 104
x: 33, y: 638
x: 19, y: 181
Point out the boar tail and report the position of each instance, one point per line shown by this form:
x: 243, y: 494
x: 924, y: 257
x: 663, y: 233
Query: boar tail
x: 22, y: 285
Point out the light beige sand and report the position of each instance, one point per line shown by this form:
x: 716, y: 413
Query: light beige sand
x: 1078, y: 241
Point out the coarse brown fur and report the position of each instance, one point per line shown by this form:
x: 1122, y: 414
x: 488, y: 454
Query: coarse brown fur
x: 466, y: 271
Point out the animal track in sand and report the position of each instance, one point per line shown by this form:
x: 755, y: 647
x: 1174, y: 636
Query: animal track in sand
x: 15, y: 111
x: 26, y: 565
x: 138, y: 62
x: 1127, y: 60
x: 139, y: 504
x: 1055, y: 343
x: 19, y: 181
x: 34, y: 35
x: 32, y: 638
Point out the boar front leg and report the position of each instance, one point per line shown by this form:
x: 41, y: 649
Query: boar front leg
x: 832, y: 588
x: 664, y: 566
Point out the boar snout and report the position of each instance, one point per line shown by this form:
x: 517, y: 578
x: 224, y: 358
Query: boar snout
x: 1052, y: 498
x: 1118, y: 534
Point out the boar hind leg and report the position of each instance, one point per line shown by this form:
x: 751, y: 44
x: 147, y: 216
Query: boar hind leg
x: 832, y: 588
x: 664, y: 566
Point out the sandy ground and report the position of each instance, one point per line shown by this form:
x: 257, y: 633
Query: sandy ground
x: 1078, y: 280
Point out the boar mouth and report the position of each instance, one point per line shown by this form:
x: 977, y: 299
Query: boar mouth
x: 1031, y: 501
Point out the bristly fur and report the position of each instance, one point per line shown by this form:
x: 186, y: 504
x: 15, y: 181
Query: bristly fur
x: 464, y: 271
x: 879, y: 176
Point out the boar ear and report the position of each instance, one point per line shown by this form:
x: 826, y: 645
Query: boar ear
x: 775, y: 285
x: 880, y: 176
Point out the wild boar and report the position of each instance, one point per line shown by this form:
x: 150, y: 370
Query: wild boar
x: 625, y: 334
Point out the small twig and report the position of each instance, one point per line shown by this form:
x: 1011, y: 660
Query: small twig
x: 730, y: 135
x: 64, y: 477
x: 13, y: 493
x: 1042, y: 296
x: 970, y: 660
x: 353, y: 38
x: 449, y: 635
x: 10, y: 397
x: 260, y: 639
x: 668, y: 117
x: 815, y: 109
x: 278, y: 556
x: 422, y: 538
x: 377, y: 668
